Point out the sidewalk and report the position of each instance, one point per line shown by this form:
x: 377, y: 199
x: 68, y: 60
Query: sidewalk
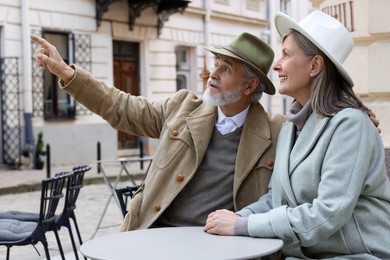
x: 20, y: 190
x: 16, y: 181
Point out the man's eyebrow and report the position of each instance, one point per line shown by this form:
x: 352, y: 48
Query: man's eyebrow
x: 225, y: 59
x: 229, y: 61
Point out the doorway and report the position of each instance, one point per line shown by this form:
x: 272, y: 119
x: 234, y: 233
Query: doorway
x: 126, y: 79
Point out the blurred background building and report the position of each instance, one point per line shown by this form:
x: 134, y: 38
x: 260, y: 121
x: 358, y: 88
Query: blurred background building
x: 152, y: 48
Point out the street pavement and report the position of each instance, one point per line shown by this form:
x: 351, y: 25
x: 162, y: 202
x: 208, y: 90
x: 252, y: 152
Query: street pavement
x: 20, y: 190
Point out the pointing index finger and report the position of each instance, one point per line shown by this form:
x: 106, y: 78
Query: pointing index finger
x: 39, y: 40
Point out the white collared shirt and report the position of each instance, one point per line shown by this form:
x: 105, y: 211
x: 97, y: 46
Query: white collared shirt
x: 226, y: 125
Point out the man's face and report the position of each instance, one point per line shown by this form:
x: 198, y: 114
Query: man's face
x: 225, y: 85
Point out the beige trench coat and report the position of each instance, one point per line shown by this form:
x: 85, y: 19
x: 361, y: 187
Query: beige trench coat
x: 183, y: 124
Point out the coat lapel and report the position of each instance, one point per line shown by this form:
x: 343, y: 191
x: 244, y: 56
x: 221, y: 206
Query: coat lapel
x: 285, y: 144
x: 308, y: 137
x: 289, y: 155
x: 201, y: 125
x: 255, y: 139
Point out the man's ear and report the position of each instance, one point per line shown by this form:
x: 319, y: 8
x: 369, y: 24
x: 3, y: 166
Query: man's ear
x: 252, y: 85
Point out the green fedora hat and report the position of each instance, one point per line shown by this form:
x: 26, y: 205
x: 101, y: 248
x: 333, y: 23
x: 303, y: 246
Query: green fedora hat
x: 252, y: 51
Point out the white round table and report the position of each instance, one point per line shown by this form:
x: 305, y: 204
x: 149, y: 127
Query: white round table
x: 177, y: 243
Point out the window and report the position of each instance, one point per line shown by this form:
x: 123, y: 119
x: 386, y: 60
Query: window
x: 57, y: 103
x: 285, y: 6
x: 182, y: 68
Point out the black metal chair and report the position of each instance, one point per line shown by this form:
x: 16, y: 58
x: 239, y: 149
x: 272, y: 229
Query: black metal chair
x: 75, y: 183
x: 15, y: 232
x: 124, y: 194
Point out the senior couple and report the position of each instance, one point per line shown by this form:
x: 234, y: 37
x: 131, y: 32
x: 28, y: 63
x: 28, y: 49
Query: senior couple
x: 329, y: 196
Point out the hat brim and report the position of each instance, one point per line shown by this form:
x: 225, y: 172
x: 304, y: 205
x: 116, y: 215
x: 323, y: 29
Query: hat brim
x: 284, y: 23
x: 270, y: 89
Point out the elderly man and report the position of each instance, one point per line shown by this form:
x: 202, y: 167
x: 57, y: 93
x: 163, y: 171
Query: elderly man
x: 216, y: 152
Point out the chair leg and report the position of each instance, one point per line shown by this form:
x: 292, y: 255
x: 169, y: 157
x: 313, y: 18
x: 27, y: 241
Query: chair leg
x: 59, y: 243
x: 73, y: 217
x: 8, y: 249
x: 45, y: 245
x: 64, y: 221
x: 73, y: 243
x: 77, y: 230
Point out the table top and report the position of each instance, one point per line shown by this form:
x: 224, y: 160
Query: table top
x: 177, y: 243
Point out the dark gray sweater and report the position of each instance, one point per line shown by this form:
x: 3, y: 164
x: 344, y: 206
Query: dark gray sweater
x: 210, y: 189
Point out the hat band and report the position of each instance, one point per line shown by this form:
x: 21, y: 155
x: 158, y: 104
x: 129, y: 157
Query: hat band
x: 242, y: 57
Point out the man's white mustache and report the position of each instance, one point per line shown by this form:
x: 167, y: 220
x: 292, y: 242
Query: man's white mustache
x: 215, y: 83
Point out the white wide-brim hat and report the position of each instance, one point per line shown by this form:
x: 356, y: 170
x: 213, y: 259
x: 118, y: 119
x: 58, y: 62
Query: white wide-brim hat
x: 327, y: 33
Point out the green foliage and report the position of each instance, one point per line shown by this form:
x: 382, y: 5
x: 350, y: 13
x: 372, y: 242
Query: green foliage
x: 39, y: 147
x: 27, y: 150
x: 39, y: 152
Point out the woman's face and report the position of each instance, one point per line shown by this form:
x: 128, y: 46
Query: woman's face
x: 294, y: 70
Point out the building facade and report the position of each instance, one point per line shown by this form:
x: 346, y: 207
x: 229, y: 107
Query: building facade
x: 153, y: 50
x: 149, y: 48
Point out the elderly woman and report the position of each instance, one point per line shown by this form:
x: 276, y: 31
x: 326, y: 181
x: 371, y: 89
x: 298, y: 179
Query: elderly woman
x: 329, y: 194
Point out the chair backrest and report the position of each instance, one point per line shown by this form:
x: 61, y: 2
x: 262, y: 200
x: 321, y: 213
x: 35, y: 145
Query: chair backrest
x: 74, y: 185
x: 50, y: 196
x: 123, y: 194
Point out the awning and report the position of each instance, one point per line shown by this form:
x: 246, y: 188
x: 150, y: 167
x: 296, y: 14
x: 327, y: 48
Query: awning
x: 162, y: 8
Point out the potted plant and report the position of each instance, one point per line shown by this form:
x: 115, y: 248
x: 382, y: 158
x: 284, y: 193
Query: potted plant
x: 26, y: 152
x: 39, y: 152
x: 27, y: 157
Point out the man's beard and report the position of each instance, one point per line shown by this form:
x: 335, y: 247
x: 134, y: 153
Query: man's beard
x: 224, y: 97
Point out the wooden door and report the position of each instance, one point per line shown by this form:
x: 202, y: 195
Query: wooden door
x: 125, y: 78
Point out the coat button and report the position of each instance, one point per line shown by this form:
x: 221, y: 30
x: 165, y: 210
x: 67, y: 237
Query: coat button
x: 175, y: 132
x: 157, y: 207
x: 270, y: 163
x: 180, y: 177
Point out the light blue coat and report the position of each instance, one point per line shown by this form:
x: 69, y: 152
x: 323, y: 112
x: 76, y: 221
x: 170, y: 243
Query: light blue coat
x: 329, y: 192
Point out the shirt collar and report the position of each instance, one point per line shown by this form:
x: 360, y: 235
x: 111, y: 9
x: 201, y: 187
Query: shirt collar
x: 238, y: 119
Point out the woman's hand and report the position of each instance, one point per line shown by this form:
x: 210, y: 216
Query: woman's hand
x: 373, y: 118
x: 221, y: 222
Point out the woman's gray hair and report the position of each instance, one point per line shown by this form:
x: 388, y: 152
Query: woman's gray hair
x: 251, y: 73
x: 330, y: 93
